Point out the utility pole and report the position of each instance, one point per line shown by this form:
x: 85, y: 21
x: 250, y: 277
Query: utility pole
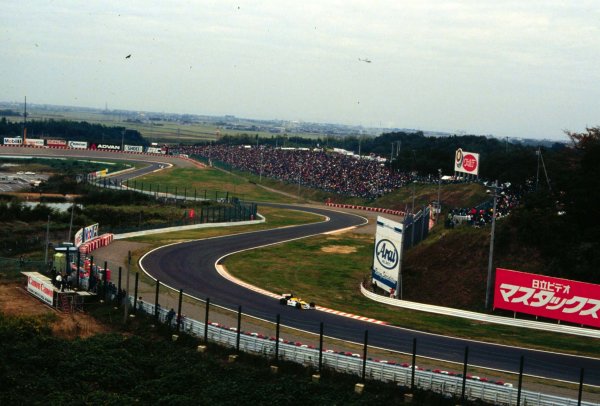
x: 488, y: 290
x: 71, y: 222
x: 261, y: 167
x: 299, y: 172
x: 47, y: 242
x: 439, y: 204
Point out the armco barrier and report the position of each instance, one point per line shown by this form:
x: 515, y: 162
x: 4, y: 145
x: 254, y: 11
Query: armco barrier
x: 487, y: 318
x: 496, y: 393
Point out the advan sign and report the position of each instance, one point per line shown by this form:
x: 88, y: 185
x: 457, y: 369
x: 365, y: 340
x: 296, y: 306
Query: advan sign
x: 387, y: 253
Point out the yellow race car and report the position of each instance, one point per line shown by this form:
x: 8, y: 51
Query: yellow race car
x: 290, y: 300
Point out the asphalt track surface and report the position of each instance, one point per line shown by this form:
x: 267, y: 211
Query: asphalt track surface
x: 191, y: 266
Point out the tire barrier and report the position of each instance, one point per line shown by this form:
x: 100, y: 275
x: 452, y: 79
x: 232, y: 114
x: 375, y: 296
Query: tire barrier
x: 367, y: 208
x: 91, y: 245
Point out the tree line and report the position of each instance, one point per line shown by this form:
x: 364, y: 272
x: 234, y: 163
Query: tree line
x: 73, y: 130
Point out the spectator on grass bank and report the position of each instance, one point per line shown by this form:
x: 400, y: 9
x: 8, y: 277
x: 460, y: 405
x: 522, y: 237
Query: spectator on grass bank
x: 140, y: 304
x: 170, y: 317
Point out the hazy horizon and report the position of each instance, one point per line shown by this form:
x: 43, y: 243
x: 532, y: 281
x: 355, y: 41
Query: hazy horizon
x: 507, y: 68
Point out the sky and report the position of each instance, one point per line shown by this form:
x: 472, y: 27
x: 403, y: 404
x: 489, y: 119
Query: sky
x: 505, y: 68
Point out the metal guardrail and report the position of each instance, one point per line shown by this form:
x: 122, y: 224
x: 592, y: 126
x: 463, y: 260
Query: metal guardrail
x: 446, y: 384
x: 488, y: 318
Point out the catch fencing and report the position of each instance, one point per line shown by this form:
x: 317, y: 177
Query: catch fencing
x: 443, y: 382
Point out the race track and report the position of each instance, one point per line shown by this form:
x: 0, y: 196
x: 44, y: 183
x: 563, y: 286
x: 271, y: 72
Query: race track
x: 191, y: 266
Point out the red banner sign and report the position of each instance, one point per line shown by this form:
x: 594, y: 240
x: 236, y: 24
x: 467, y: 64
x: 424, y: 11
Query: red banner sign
x: 56, y: 143
x: 545, y: 296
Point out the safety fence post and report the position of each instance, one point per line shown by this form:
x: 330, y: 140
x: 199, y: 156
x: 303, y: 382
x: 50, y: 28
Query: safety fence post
x: 179, y: 309
x: 364, y: 366
x: 520, y: 380
x: 414, y: 360
x: 239, y: 325
x: 156, y: 299
x: 464, y: 377
x: 206, y: 321
x: 321, y: 347
x: 135, y: 292
x: 277, y: 338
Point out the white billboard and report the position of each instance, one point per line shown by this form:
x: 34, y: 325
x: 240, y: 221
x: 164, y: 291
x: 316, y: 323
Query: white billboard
x: 387, y: 254
x: 78, y: 144
x: 78, y: 240
x: 155, y: 150
x: 466, y: 162
x: 13, y: 141
x: 36, y: 142
x: 133, y: 148
x: 90, y: 232
x: 40, y: 287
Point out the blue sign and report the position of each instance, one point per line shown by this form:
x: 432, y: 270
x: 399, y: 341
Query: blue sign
x: 387, y: 254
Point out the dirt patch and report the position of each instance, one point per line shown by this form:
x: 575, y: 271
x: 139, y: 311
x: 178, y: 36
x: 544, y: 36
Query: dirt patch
x: 339, y: 249
x: 15, y: 301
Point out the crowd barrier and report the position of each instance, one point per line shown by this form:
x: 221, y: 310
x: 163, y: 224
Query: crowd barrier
x: 91, y: 245
x: 440, y: 381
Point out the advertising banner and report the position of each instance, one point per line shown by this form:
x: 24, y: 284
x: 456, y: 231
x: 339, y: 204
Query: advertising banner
x: 546, y: 296
x: 13, y: 141
x: 36, y: 142
x: 386, y: 256
x: 155, y: 150
x: 90, y: 232
x: 78, y: 144
x: 109, y: 147
x: 41, y: 288
x: 466, y: 162
x: 56, y: 143
x: 78, y: 240
x: 133, y: 148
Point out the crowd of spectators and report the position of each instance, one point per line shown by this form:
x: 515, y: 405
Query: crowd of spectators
x: 480, y: 215
x: 329, y: 171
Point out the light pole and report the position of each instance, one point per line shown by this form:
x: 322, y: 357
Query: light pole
x: 412, y: 209
x: 488, y: 290
x: 47, y: 242
x: 71, y: 222
x: 299, y: 173
x: 261, y: 167
x: 439, y: 204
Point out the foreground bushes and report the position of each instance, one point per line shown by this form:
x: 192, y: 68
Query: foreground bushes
x: 36, y: 367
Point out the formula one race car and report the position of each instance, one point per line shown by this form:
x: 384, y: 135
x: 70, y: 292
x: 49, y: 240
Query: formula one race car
x: 290, y: 300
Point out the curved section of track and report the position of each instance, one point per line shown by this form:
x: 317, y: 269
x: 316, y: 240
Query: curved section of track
x: 191, y: 266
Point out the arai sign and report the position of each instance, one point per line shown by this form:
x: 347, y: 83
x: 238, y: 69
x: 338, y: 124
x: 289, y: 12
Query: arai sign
x: 466, y: 162
x: 387, y: 253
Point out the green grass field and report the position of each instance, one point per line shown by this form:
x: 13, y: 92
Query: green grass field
x: 156, y: 131
x: 331, y: 267
x: 211, y: 180
x: 330, y: 271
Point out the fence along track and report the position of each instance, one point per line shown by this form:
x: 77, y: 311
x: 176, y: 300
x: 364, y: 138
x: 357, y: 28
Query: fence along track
x: 449, y: 385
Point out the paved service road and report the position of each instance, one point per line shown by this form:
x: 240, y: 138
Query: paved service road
x: 191, y: 266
